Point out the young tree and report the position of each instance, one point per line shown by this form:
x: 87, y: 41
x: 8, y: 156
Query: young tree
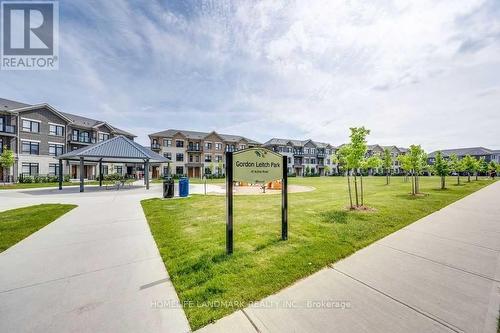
x: 441, y: 168
x: 358, y: 148
x: 417, y: 160
x: 370, y: 163
x: 492, y: 168
x: 482, y: 166
x: 342, y: 155
x: 387, y: 164
x: 469, y: 165
x: 457, y: 166
x: 404, y: 162
x: 327, y: 170
x: 7, y: 160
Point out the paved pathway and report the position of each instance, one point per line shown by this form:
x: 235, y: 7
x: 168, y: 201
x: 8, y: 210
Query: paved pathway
x: 96, y: 269
x: 440, y: 274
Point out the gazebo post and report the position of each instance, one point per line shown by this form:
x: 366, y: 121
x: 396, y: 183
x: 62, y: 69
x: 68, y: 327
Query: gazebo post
x: 100, y: 172
x: 60, y: 174
x: 81, y: 174
x: 146, y: 173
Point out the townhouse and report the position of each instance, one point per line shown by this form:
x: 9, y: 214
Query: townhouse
x: 476, y: 152
x: 38, y: 133
x: 195, y: 154
x: 304, y: 155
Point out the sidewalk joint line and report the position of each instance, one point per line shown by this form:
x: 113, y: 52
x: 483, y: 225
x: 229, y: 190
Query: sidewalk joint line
x: 450, y: 239
x: 76, y: 275
x: 439, y: 262
x: 423, y: 313
x: 250, y: 320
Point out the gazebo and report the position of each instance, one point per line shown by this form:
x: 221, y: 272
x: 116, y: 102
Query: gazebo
x: 118, y: 149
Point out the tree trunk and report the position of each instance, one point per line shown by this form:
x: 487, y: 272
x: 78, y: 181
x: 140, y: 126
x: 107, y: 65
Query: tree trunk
x: 362, y: 191
x: 412, y: 183
x: 477, y: 173
x: 443, y: 184
x: 386, y: 177
x: 468, y: 177
x: 458, y: 178
x: 356, y: 188
x: 349, y: 187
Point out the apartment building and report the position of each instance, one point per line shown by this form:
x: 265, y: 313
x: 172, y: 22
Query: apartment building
x: 303, y: 155
x: 395, y: 152
x: 476, y: 152
x: 195, y: 153
x: 38, y: 133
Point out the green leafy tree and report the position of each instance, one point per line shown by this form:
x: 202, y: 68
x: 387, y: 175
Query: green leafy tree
x: 308, y: 170
x: 469, y: 166
x: 357, y: 152
x: 7, y: 160
x: 441, y: 167
x: 404, y: 162
x: 327, y: 170
x: 492, y: 168
x: 417, y: 161
x: 387, y: 164
x: 220, y: 166
x: 457, y: 166
x: 482, y: 166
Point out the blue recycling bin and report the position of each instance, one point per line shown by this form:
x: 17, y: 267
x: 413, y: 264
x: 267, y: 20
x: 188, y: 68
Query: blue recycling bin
x: 183, y: 187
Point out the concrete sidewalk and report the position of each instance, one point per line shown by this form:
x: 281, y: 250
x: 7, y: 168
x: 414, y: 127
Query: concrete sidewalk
x: 96, y: 269
x: 439, y: 274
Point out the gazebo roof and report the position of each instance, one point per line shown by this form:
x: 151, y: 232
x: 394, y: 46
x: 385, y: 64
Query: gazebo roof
x: 115, y: 150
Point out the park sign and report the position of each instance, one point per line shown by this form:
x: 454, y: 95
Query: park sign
x: 257, y: 166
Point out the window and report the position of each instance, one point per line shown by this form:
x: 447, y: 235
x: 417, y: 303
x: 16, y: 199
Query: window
x: 55, y: 149
x: 31, y: 126
x: 244, y: 146
x: 312, y: 150
x: 75, y: 135
x: 218, y: 158
x: 208, y: 145
x: 53, y: 169
x: 30, y: 169
x: 327, y: 161
x: 84, y: 137
x: 208, y: 158
x: 56, y: 130
x: 218, y: 146
x: 119, y: 170
x: 179, y: 143
x: 179, y: 170
x: 166, y: 171
x: 289, y: 160
x: 168, y: 155
x: 29, y: 147
x: 313, y: 161
x: 167, y: 142
x: 105, y: 170
x: 179, y: 157
x: 102, y: 136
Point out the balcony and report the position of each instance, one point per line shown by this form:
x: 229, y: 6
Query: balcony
x: 155, y: 146
x: 321, y: 155
x: 80, y: 140
x: 194, y: 149
x: 298, y: 153
x: 8, y: 129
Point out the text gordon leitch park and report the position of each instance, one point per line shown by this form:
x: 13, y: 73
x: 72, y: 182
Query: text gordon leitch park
x: 240, y: 164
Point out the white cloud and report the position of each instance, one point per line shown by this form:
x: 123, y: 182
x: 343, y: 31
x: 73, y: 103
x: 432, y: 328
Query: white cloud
x: 413, y: 72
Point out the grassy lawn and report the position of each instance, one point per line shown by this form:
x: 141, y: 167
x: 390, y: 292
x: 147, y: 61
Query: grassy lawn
x: 18, y: 186
x: 190, y: 234
x: 17, y: 224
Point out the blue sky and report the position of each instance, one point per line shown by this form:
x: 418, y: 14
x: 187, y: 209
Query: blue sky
x: 425, y: 72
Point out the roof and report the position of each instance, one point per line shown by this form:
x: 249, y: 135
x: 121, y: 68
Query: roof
x: 89, y: 122
x: 117, y: 149
x: 473, y: 151
x: 201, y: 135
x: 297, y: 143
x: 7, y: 105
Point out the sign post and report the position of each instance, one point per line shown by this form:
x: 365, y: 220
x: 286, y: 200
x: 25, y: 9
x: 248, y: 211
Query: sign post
x: 255, y: 166
x: 229, y: 202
